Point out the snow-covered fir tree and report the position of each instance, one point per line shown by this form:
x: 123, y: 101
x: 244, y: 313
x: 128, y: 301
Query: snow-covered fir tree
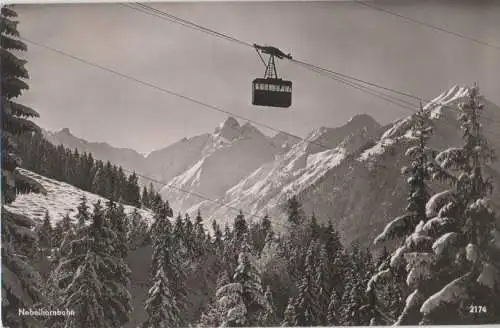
x: 294, y: 210
x: 115, y: 215
x: 290, y: 315
x: 242, y: 301
x: 356, y: 278
x: 137, y: 230
x: 45, y: 234
x: 98, y: 291
x: 249, y: 277
x: 217, y: 242
x: 324, y: 284
x: 334, y: 311
x: 307, y: 303
x: 214, y: 314
x: 21, y: 283
x: 465, y: 255
x: 414, y: 242
x: 83, y: 215
x: 162, y: 305
x: 268, y: 316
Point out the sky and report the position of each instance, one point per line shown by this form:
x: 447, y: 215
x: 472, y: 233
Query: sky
x: 343, y: 36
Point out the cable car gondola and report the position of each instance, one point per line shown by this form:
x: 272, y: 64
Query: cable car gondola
x: 271, y: 91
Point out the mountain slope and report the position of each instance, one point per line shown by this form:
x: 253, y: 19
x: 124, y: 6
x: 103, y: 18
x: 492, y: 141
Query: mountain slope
x: 357, y: 183
x: 231, y: 153
x: 128, y: 158
x: 305, y: 163
x: 60, y: 199
x: 168, y: 162
x: 363, y: 193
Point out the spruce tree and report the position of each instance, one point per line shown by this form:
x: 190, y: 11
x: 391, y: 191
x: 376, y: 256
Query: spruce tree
x: 307, y: 303
x: 249, y: 277
x: 240, y: 226
x: 323, y: 282
x: 334, y: 310
x: 213, y: 316
x: 465, y: 257
x: 161, y: 305
x: 268, y: 317
x: 137, y: 230
x: 133, y: 191
x: 168, y: 256
x: 405, y: 227
x: 98, y: 292
x: 21, y: 284
x: 217, y: 241
x: 45, y: 234
x: 83, y: 215
x: 290, y: 315
x: 115, y: 215
x: 294, y: 211
x: 232, y: 307
x: 314, y: 228
x: 145, y: 198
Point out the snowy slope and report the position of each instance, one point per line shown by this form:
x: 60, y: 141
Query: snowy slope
x: 61, y: 199
x: 230, y: 154
x: 303, y: 165
x: 168, y: 162
x: 363, y: 193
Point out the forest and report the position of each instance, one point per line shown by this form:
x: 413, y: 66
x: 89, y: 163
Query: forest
x: 436, y: 263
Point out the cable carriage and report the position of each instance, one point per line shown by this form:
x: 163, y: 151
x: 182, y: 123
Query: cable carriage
x: 271, y: 91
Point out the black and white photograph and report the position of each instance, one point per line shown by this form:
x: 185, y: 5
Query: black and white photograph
x: 250, y: 163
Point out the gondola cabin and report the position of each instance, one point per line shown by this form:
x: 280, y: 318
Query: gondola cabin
x: 271, y: 92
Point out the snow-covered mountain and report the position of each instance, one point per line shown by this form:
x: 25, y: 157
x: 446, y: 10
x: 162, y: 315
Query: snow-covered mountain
x: 59, y: 199
x: 228, y: 155
x: 348, y: 174
x: 166, y: 163
x: 367, y: 190
x: 266, y: 188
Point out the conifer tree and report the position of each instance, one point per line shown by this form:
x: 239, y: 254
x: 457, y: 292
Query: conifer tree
x: 465, y: 255
x: 213, y: 315
x: 352, y: 300
x: 145, y: 198
x: 115, y: 215
x: 232, y: 306
x: 57, y: 234
x: 268, y: 317
x: 21, y: 285
x: 323, y: 282
x: 137, y: 230
x: 307, y: 303
x: 217, y: 241
x: 294, y: 211
x: 83, y: 212
x: 249, y: 277
x: 45, y: 234
x: 66, y: 223
x: 98, y: 291
x: 166, y: 255
x: 414, y: 240
x: 133, y: 191
x: 334, y: 310
x: 314, y: 228
x: 290, y: 315
x: 240, y: 226
x: 161, y: 305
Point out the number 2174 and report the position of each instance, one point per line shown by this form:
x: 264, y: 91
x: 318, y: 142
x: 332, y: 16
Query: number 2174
x: 477, y: 309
